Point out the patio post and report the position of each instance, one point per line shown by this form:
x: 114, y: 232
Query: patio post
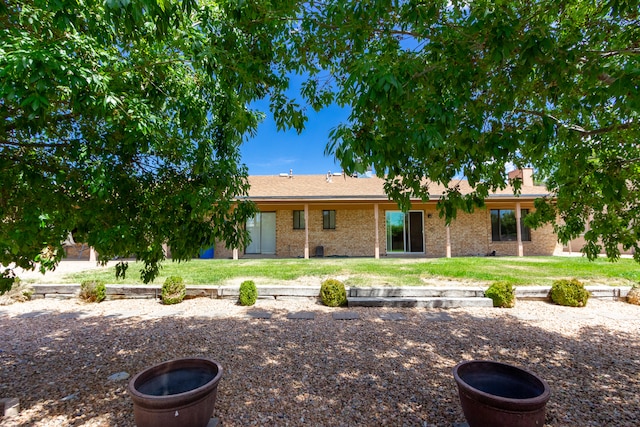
x: 306, y: 231
x: 377, y: 243
x: 235, y: 253
x: 448, y: 241
x: 519, y: 230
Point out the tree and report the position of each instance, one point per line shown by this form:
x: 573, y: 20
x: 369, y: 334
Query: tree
x: 120, y: 123
x: 443, y: 88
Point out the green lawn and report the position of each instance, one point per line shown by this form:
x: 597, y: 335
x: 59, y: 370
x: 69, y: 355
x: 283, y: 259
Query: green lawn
x: 388, y: 271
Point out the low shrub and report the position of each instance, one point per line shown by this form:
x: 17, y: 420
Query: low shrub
x: 93, y: 291
x: 333, y: 293
x: 502, y: 293
x: 173, y: 290
x: 633, y: 297
x: 248, y: 293
x: 570, y: 293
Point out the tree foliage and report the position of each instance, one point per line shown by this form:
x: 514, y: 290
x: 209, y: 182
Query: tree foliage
x: 443, y: 88
x: 120, y: 122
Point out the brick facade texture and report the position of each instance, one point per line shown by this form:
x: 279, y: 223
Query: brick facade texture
x: 354, y: 235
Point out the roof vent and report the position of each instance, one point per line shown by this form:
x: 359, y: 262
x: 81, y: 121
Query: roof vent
x: 284, y: 175
x: 329, y: 175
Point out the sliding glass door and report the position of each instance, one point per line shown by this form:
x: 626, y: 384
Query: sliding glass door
x: 405, y: 231
x: 262, y: 229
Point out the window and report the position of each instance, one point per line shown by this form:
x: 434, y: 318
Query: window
x: 329, y: 220
x: 503, y: 225
x: 298, y: 220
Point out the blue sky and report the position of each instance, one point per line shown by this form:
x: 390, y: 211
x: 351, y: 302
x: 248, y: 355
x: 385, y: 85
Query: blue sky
x: 271, y: 152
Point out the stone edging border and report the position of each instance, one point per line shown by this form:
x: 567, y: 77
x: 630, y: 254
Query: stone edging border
x: 115, y: 291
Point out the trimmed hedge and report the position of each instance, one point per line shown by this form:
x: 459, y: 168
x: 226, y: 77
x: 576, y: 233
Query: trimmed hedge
x: 173, y: 290
x: 248, y: 293
x: 502, y: 293
x: 570, y: 293
x: 333, y: 293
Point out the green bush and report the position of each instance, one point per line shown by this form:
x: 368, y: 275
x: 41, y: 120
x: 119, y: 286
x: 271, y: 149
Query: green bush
x: 173, y: 290
x: 502, y: 293
x: 93, y: 290
x: 570, y: 293
x: 248, y: 293
x: 333, y: 293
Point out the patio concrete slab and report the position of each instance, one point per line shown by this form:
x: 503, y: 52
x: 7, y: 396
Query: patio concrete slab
x: 345, y: 315
x: 438, y: 317
x: 302, y: 315
x: 393, y: 316
x: 259, y: 314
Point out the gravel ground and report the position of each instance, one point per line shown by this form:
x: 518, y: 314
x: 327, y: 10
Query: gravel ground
x: 56, y: 357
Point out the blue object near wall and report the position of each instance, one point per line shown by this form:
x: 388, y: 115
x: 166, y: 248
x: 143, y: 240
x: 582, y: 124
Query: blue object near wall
x: 206, y: 253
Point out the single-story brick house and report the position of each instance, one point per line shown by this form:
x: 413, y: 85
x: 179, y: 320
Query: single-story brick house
x: 336, y: 215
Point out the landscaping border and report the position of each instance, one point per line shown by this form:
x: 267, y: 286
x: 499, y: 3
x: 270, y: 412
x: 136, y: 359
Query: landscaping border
x: 116, y: 291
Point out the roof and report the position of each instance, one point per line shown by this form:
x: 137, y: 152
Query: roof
x: 318, y: 187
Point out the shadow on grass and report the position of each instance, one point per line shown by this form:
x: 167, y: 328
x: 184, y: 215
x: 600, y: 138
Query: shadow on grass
x: 318, y: 372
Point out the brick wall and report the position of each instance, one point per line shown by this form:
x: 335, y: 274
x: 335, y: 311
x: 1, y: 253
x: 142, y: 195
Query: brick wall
x: 79, y: 251
x: 354, y: 235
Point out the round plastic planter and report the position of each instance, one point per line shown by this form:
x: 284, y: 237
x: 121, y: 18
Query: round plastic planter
x: 177, y: 393
x: 500, y: 395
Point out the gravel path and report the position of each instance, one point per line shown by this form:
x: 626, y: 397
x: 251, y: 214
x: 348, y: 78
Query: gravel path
x: 56, y: 357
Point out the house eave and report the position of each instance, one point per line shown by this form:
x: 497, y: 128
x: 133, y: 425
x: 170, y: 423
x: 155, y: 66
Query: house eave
x: 375, y: 199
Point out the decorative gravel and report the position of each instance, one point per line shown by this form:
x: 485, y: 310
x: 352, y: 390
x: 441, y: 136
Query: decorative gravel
x: 56, y: 357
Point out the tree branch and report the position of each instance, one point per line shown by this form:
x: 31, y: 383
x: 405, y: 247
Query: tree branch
x: 631, y: 51
x: 579, y: 129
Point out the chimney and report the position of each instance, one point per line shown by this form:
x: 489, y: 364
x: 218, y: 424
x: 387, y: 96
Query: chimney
x: 524, y: 174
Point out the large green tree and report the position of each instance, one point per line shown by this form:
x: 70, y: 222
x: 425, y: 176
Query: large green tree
x: 120, y: 123
x: 121, y: 120
x: 442, y: 88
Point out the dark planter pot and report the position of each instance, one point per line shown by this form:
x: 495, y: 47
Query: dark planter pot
x: 176, y: 393
x: 495, y: 394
